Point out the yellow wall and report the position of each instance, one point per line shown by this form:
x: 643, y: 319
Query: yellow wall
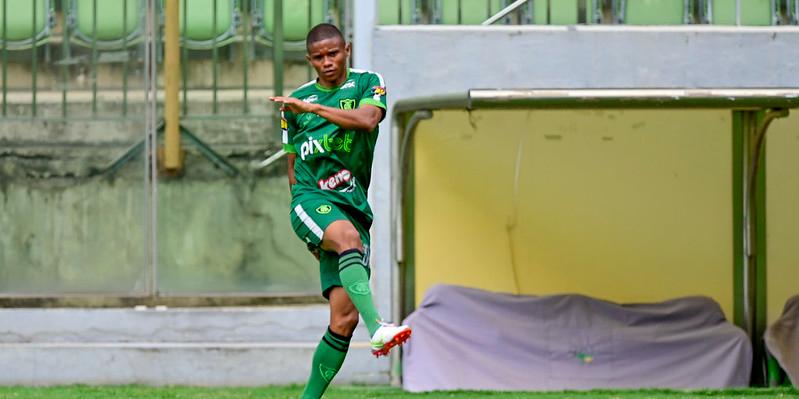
x: 629, y: 206
x: 782, y: 224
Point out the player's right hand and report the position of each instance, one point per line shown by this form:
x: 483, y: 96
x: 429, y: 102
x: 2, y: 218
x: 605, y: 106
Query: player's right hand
x: 292, y: 104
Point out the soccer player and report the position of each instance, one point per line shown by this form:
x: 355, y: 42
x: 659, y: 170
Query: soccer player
x: 330, y: 128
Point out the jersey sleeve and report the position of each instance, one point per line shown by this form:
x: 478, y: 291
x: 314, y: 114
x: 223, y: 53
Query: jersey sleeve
x: 374, y: 92
x: 288, y: 128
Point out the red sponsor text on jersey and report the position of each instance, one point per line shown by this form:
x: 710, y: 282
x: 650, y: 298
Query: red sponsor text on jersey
x: 337, y: 179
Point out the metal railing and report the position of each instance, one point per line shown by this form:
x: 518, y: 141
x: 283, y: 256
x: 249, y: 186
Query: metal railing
x: 587, y: 11
x: 67, y: 44
x: 86, y: 69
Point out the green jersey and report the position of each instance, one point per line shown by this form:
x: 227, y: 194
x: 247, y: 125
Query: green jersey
x: 331, y: 161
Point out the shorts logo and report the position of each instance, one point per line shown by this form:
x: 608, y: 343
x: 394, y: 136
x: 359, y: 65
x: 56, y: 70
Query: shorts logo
x: 346, y: 103
x: 324, y: 209
x: 379, y: 90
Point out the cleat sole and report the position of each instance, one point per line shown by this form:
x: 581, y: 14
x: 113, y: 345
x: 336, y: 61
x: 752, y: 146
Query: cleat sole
x: 398, y: 340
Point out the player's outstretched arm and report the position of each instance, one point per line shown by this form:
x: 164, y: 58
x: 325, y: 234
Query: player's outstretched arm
x: 364, y: 118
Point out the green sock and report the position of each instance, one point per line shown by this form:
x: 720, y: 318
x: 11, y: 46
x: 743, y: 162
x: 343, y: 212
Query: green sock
x: 356, y: 282
x: 327, y: 361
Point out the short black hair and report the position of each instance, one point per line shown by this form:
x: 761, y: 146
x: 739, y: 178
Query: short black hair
x: 322, y: 32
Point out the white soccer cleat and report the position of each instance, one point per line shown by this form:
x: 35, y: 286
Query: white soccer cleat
x: 387, y: 337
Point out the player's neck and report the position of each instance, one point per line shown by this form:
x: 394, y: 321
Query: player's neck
x: 334, y: 83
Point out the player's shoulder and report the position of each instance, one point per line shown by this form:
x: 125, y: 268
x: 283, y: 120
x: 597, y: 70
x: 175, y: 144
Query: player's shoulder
x: 365, y: 74
x: 304, y: 90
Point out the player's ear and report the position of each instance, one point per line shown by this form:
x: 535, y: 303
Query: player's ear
x: 308, y: 57
x: 348, y: 48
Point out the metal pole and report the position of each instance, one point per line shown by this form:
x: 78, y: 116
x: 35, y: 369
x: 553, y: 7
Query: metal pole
x: 172, y: 158
x: 754, y: 272
x: 709, y: 12
x: 796, y: 11
x: 215, y: 56
x: 399, y: 262
x: 151, y: 138
x: 245, y: 57
x: 33, y: 60
x: 125, y: 62
x: 775, y: 19
x: 5, y: 58
x: 505, y: 11
x: 738, y: 12
x: 65, y: 59
x: 184, y: 75
x: 94, y: 57
x: 686, y: 12
x: 277, y: 59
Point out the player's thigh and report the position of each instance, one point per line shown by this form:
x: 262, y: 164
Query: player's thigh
x: 311, y: 216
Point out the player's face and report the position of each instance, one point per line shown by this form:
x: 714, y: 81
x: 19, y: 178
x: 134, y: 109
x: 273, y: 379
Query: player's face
x: 329, y: 58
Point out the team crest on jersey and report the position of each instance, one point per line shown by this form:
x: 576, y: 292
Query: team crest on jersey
x: 379, y: 90
x: 347, y: 103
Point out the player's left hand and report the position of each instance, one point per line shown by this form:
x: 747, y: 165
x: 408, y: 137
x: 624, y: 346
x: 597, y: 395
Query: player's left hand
x: 292, y: 104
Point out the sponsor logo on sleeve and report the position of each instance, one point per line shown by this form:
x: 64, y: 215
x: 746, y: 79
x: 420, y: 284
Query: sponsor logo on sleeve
x: 379, y: 90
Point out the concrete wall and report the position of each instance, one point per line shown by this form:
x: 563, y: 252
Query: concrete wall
x: 200, y: 346
x: 433, y: 60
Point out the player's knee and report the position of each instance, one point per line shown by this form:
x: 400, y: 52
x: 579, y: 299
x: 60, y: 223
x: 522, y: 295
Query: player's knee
x: 350, y: 239
x: 341, y: 236
x: 345, y: 323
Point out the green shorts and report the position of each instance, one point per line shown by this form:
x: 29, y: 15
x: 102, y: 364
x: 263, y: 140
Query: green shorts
x: 310, y: 216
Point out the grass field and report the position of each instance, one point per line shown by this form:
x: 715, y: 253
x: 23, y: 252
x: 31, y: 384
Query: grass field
x: 292, y: 392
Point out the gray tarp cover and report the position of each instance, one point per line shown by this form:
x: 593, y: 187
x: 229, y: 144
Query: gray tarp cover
x: 465, y: 338
x: 782, y: 339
